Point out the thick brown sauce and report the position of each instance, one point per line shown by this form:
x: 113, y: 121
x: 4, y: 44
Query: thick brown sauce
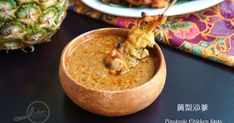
x: 85, y: 65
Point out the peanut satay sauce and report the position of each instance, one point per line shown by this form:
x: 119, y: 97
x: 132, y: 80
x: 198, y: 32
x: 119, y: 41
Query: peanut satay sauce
x: 85, y: 65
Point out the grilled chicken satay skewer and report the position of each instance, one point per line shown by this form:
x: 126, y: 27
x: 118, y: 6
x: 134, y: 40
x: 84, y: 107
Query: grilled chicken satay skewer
x: 141, y: 36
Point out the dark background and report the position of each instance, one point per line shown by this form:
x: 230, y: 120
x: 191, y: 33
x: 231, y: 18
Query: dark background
x: 27, y: 77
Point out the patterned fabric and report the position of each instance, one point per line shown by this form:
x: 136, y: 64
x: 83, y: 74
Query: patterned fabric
x: 208, y: 33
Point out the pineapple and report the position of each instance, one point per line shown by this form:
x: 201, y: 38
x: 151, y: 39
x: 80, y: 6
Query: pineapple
x: 24, y: 23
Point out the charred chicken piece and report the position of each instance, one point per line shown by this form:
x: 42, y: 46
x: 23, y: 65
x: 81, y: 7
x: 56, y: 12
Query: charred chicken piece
x: 140, y: 37
x: 128, y: 53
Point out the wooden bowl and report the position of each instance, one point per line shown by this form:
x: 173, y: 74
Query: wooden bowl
x: 111, y: 103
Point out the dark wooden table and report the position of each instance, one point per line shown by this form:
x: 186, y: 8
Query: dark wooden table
x: 28, y: 77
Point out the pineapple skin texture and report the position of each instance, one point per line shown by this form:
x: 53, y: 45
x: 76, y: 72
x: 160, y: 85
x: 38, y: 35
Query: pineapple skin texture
x: 24, y: 23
